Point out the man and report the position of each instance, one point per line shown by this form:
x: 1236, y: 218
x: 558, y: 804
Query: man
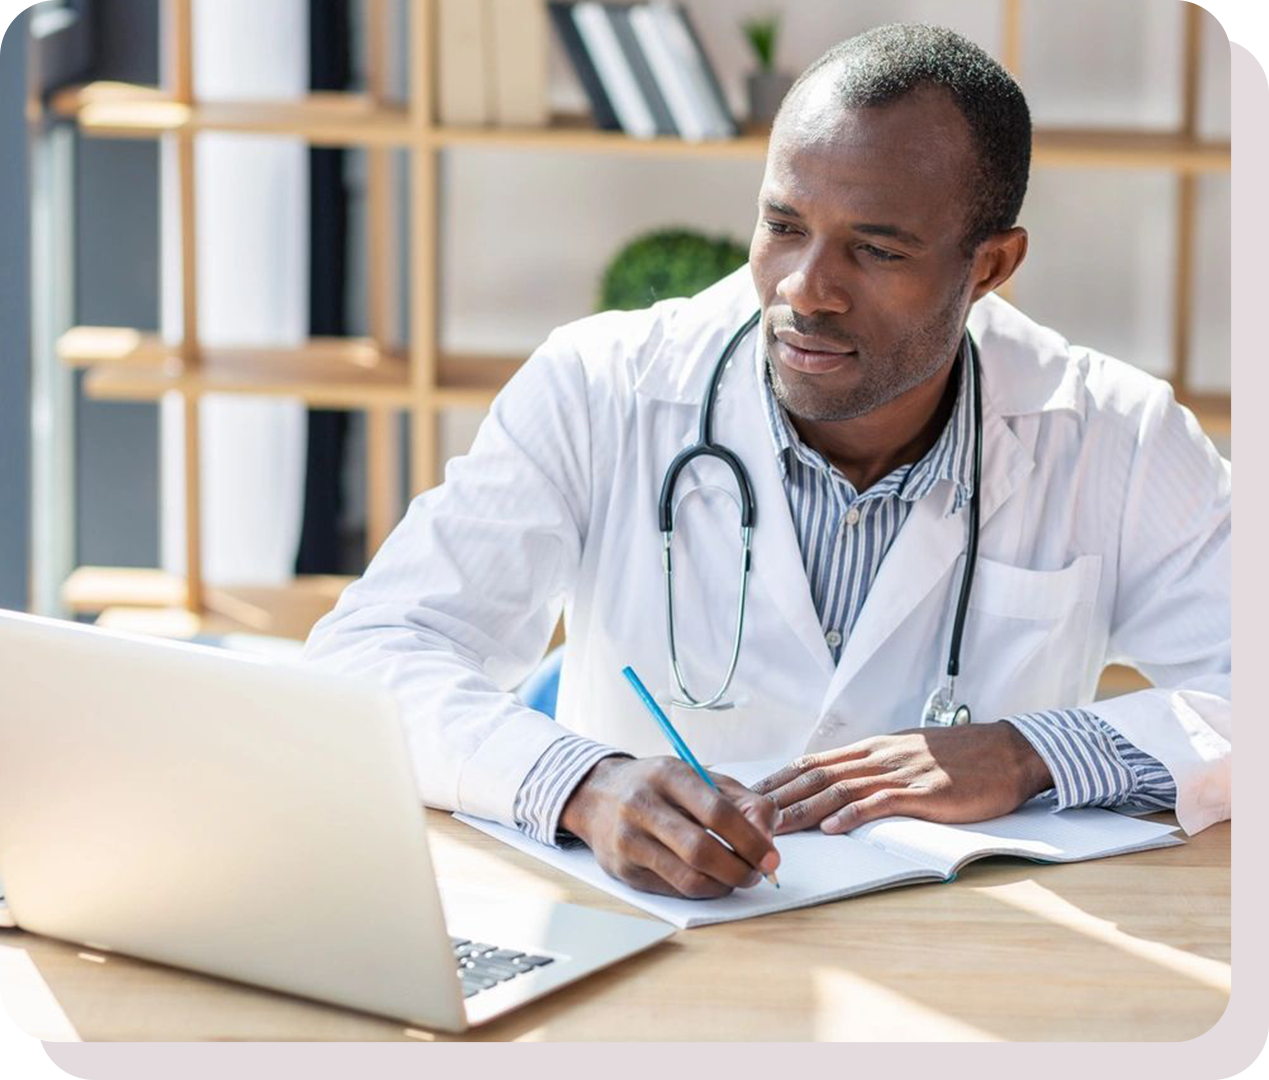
x: 887, y: 218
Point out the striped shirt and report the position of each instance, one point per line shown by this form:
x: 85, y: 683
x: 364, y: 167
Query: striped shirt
x: 844, y: 536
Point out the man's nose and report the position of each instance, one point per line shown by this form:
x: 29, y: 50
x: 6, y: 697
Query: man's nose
x: 816, y: 285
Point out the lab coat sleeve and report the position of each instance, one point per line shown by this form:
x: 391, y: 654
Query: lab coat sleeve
x: 1171, y: 617
x: 459, y: 603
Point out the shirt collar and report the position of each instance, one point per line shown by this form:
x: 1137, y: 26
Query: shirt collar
x: 950, y: 458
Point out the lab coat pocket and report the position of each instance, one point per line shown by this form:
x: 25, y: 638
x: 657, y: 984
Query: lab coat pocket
x: 1027, y: 636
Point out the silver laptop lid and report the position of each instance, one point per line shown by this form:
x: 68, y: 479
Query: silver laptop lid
x: 228, y: 814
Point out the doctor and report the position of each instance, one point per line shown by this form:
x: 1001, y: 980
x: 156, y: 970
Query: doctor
x: 857, y: 405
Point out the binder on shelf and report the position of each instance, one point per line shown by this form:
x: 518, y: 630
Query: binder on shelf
x: 562, y: 18
x: 679, y: 37
x: 729, y: 126
x: 686, y: 111
x: 599, y: 38
x: 520, y: 46
x: 651, y: 91
x: 464, y: 78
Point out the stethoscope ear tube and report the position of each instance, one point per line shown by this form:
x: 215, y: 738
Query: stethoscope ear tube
x: 665, y: 510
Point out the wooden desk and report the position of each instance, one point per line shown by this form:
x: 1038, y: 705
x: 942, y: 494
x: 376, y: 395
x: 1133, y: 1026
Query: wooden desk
x: 1134, y: 947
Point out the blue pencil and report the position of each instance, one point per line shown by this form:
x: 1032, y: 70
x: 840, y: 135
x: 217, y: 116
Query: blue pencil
x: 676, y: 740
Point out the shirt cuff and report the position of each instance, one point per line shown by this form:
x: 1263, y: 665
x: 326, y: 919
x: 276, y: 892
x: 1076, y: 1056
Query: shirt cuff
x: 1093, y: 765
x: 548, y: 785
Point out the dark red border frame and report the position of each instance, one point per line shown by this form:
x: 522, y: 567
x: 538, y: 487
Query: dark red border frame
x: 1232, y: 1041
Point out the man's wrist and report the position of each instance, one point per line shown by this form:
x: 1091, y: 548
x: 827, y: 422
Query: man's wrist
x: 578, y: 809
x: 1030, y: 768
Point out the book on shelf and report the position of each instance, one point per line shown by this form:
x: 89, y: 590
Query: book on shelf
x: 599, y: 39
x: 644, y: 69
x: 464, y: 74
x: 688, y: 116
x: 601, y: 105
x: 727, y: 122
x: 648, y: 85
x: 680, y: 38
x: 519, y: 39
x: 492, y: 59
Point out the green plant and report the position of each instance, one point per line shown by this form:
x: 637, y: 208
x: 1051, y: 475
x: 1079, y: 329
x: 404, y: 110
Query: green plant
x: 665, y: 263
x: 762, y: 35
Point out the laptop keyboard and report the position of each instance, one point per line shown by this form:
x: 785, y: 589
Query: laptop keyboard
x: 481, y: 966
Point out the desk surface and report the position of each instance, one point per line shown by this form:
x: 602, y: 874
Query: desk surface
x: 1134, y: 947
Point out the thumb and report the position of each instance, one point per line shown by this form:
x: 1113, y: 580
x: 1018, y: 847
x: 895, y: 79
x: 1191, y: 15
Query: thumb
x: 759, y: 810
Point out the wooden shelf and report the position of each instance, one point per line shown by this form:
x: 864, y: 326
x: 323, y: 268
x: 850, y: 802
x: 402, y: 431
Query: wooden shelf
x: 131, y: 365
x: 1105, y: 149
x: 1213, y: 411
x: 472, y: 381
x: 151, y: 601
x: 577, y: 134
x: 120, y: 110
x: 1117, y: 679
x: 91, y: 589
x: 127, y: 365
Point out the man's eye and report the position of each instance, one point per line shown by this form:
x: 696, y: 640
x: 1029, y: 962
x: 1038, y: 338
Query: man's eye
x: 778, y: 227
x: 880, y: 254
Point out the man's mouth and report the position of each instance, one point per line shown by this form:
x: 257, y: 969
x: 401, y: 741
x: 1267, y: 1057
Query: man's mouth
x: 812, y: 356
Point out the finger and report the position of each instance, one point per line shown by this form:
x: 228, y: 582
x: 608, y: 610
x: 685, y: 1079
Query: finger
x: 695, y: 847
x: 809, y: 812
x: 819, y: 778
x: 759, y: 809
x: 648, y: 852
x: 799, y: 765
x: 886, y: 802
x: 718, y: 813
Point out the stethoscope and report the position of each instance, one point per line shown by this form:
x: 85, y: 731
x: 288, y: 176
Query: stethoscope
x: 941, y: 708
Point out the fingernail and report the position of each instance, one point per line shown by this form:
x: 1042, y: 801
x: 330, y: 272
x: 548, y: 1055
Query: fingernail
x: 769, y: 862
x: 831, y: 825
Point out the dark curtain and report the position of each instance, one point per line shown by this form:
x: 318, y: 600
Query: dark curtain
x: 330, y: 68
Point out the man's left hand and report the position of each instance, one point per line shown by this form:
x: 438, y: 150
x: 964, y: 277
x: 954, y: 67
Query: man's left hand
x: 951, y: 774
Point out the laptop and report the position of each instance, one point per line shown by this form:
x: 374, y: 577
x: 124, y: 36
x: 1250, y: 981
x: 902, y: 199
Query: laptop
x: 257, y: 821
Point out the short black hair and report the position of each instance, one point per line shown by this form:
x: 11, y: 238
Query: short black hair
x: 884, y: 64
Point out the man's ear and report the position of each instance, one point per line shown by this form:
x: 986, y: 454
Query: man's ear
x: 996, y: 260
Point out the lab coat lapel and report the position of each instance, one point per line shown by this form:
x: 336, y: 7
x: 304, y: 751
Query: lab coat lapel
x: 928, y: 546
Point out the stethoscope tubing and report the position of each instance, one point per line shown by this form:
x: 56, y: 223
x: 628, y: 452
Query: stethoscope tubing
x: 706, y: 447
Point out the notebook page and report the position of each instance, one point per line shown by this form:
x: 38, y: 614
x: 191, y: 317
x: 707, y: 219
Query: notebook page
x: 813, y: 868
x: 1032, y: 832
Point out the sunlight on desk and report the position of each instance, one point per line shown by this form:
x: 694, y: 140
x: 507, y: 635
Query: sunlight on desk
x: 849, y: 1008
x: 1035, y: 899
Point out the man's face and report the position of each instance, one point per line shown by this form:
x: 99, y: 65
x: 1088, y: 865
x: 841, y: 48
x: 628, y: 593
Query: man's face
x: 857, y: 256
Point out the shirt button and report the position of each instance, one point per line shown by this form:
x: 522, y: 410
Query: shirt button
x: 852, y: 516
x: 833, y: 638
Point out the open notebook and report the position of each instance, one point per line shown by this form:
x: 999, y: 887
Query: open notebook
x: 816, y: 868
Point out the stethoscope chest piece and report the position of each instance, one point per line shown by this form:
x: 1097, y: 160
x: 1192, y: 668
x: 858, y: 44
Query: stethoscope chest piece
x: 941, y: 710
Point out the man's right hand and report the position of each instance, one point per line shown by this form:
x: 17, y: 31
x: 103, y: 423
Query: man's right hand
x: 648, y: 821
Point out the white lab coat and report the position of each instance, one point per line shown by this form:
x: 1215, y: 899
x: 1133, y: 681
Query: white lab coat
x: 1105, y: 537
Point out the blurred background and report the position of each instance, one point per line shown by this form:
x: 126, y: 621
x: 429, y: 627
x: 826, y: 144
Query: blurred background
x: 280, y: 254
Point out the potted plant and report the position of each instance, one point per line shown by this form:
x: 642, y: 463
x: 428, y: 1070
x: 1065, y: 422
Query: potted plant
x: 766, y: 86
x: 665, y: 263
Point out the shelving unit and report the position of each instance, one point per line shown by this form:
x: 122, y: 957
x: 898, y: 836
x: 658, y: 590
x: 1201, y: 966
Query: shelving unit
x: 388, y: 378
